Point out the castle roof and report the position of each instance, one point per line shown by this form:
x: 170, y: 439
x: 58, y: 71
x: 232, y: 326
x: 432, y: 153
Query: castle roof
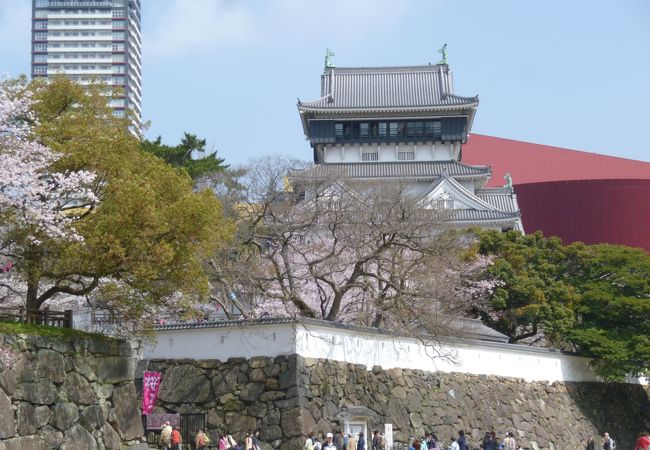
x: 395, y: 170
x: 386, y: 89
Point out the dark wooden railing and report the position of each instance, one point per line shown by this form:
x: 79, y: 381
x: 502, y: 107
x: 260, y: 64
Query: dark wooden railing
x: 43, y: 316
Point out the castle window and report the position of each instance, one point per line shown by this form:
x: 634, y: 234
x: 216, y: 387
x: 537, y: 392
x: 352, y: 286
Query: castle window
x: 392, y: 127
x: 370, y: 156
x: 382, y: 129
x: 406, y: 156
x: 338, y: 130
x: 363, y: 130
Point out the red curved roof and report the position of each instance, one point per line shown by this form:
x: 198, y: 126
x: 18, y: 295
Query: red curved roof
x: 532, y: 163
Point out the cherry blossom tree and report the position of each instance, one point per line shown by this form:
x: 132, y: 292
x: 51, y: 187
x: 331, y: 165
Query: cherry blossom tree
x: 31, y: 195
x: 340, y: 250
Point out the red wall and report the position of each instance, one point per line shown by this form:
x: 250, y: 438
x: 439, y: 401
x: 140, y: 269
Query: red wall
x: 590, y: 211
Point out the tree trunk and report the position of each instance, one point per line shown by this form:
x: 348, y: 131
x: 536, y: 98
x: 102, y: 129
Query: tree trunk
x: 32, y: 301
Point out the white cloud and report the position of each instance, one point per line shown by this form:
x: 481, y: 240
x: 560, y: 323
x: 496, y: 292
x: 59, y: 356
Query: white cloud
x: 175, y: 27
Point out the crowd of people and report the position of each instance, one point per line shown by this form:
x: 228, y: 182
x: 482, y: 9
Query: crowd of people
x: 431, y: 442
x: 171, y: 439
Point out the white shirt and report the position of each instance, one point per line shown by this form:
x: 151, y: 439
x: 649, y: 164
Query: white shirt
x: 454, y: 446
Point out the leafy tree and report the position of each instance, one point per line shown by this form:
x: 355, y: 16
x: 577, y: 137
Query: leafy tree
x: 532, y: 294
x: 593, y: 299
x: 612, y: 315
x: 181, y: 155
x: 142, y: 245
x: 339, y: 250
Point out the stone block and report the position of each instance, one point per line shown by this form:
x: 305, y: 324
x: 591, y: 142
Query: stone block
x: 251, y: 392
x: 239, y: 423
x: 64, y: 415
x: 52, y: 438
x: 78, y: 438
x: 42, y: 414
x: 92, y: 417
x: 128, y: 421
x: 26, y: 418
x: 50, y: 366
x: 40, y: 392
x: 114, y: 369
x: 25, y: 443
x: 183, y: 382
x: 7, y: 421
x: 78, y: 390
x: 110, y: 437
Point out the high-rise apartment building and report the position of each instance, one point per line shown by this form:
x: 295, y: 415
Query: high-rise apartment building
x: 91, y: 41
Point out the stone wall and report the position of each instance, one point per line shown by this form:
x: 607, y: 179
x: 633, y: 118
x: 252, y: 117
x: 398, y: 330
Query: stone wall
x: 287, y: 396
x: 68, y: 394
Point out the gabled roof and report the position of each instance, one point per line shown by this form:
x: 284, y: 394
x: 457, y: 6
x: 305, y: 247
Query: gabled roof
x: 479, y: 209
x: 395, y: 170
x: 501, y: 198
x: 388, y: 89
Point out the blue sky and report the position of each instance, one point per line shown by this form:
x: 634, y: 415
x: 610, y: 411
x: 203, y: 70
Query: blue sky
x: 574, y: 74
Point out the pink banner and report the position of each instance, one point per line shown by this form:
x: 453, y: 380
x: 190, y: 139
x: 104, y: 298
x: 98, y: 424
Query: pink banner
x: 150, y: 387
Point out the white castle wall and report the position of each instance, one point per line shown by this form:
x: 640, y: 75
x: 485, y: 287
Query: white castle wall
x: 369, y: 349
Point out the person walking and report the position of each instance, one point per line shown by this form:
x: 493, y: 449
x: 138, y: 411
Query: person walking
x: 309, y: 442
x: 352, y: 442
x: 223, y: 442
x: 248, y: 441
x: 509, y: 443
x: 591, y: 445
x: 608, y: 442
x: 462, y: 442
x: 201, y: 441
x: 454, y: 444
x: 361, y: 443
x: 643, y: 443
x: 329, y: 442
x: 166, y: 436
x: 176, y: 440
x: 256, y: 440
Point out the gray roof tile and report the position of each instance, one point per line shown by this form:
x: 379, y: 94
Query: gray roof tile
x: 500, y: 198
x: 417, y: 87
x: 420, y: 169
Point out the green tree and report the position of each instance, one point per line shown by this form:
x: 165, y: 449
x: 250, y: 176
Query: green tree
x: 593, y: 299
x: 144, y: 242
x: 612, y: 315
x: 181, y: 155
x: 532, y: 294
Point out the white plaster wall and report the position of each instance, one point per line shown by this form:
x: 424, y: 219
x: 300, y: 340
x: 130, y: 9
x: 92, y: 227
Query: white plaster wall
x: 387, y: 152
x: 479, y: 358
x: 369, y: 349
x: 223, y: 343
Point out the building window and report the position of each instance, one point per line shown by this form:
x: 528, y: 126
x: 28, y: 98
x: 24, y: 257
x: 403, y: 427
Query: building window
x: 364, y: 130
x: 118, y: 69
x: 414, y: 129
x: 338, y: 130
x: 392, y: 128
x: 40, y: 58
x: 383, y: 127
x: 370, y: 156
x: 40, y: 70
x: 118, y: 34
x: 40, y: 24
x: 119, y: 24
x: 406, y: 156
x: 118, y: 113
x: 40, y: 36
x: 40, y: 47
x: 119, y: 13
x: 118, y: 47
x: 42, y: 3
x: 40, y: 13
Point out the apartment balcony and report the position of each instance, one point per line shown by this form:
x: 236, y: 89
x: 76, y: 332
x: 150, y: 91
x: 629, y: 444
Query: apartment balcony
x: 56, y: 70
x: 51, y: 27
x: 102, y: 15
x: 79, y: 38
x: 79, y: 61
x: 52, y: 49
